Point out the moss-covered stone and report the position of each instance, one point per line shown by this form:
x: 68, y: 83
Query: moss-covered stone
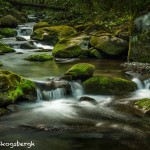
x: 14, y: 87
x: 1, y: 36
x: 109, y: 44
x: 74, y: 46
x: 40, y: 25
x: 8, y: 21
x: 108, y: 85
x: 40, y: 57
x: 3, y: 111
x: 81, y: 71
x: 1, y: 64
x: 95, y: 53
x: 52, y: 34
x: 8, y: 32
x: 4, y: 48
x: 143, y: 104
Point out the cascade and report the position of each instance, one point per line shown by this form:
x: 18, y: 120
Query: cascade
x: 142, y: 85
x: 77, y: 89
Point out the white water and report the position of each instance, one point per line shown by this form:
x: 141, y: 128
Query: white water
x: 138, y: 83
x: 39, y: 45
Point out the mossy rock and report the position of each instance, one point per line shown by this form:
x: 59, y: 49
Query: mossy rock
x: 39, y: 57
x: 8, y: 32
x: 143, y: 104
x: 1, y: 36
x: 40, y: 25
x: 108, y: 85
x: 81, y: 71
x: 1, y: 64
x: 95, y: 53
x: 52, y: 34
x: 110, y: 45
x: 71, y: 47
x: 14, y: 87
x: 8, y: 21
x: 4, y: 48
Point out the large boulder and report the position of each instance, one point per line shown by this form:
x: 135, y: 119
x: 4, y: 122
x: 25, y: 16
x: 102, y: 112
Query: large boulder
x: 14, y: 87
x: 39, y: 57
x: 52, y: 34
x: 110, y: 45
x: 75, y: 46
x: 81, y: 71
x: 8, y: 32
x: 108, y: 85
x: 8, y: 21
x: 4, y: 48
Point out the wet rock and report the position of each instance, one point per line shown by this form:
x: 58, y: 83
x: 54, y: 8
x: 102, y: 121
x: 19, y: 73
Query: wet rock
x: 12, y: 108
x: 95, y: 53
x: 81, y: 71
x: 72, y: 47
x: 27, y: 46
x: 19, y: 38
x: 3, y: 111
x: 88, y: 99
x: 108, y: 85
x: 1, y: 64
x: 53, y: 85
x: 39, y: 57
x: 14, y: 87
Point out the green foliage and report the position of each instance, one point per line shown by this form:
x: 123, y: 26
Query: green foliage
x: 40, y: 57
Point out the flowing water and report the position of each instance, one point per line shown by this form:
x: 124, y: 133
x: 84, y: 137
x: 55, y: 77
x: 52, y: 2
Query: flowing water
x: 64, y: 122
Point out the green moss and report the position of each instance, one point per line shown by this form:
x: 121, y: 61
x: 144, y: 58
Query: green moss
x: 108, y: 85
x: 40, y: 25
x: 4, y: 48
x: 14, y: 87
x: 95, y: 53
x: 143, y: 103
x: 1, y: 64
x: 39, y: 57
x: 8, y: 32
x: 3, y: 111
x: 1, y: 36
x: 52, y: 34
x: 81, y: 71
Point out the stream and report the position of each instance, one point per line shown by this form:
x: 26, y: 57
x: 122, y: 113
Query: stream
x: 63, y: 122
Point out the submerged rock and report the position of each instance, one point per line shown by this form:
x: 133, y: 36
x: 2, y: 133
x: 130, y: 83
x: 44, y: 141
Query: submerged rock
x: 71, y: 47
x: 52, y: 34
x: 108, y: 85
x: 4, y: 48
x: 14, y: 87
x: 8, y: 32
x: 39, y: 57
x: 81, y: 71
x: 88, y: 99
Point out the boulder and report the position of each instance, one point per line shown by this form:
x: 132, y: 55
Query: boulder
x: 95, y: 53
x: 53, y: 34
x: 4, y: 48
x: 14, y: 87
x: 75, y: 46
x: 8, y: 21
x: 20, y: 38
x: 108, y: 85
x: 110, y: 45
x: 39, y: 57
x: 8, y: 32
x: 88, y: 99
x: 40, y: 25
x: 81, y: 71
x: 27, y: 46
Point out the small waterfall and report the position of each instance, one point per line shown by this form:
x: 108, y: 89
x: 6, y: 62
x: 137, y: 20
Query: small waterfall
x: 138, y: 82
x: 77, y: 89
x: 142, y: 85
x: 51, y: 94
